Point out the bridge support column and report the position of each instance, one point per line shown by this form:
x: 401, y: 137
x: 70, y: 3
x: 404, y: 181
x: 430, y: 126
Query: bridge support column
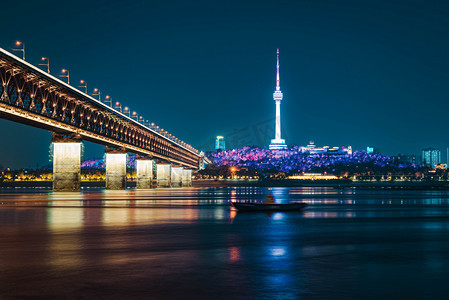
x: 186, y: 178
x: 164, y: 175
x: 144, y: 173
x: 115, y: 169
x: 66, y: 163
x: 176, y: 176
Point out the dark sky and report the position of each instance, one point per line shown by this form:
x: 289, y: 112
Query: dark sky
x: 354, y: 73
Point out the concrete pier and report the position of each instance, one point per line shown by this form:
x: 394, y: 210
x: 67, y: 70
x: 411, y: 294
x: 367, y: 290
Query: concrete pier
x: 163, y: 175
x: 144, y: 173
x: 66, y: 164
x: 186, y: 178
x: 176, y: 176
x: 115, y: 169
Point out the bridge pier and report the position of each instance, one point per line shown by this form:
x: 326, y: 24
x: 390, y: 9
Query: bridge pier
x: 115, y: 169
x: 144, y: 173
x: 66, y: 163
x: 163, y: 175
x: 176, y: 176
x: 186, y: 178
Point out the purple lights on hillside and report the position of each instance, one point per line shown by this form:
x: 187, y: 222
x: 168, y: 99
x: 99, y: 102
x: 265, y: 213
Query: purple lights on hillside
x: 293, y: 160
x: 98, y: 163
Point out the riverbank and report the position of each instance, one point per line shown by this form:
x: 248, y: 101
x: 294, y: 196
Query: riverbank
x: 337, y: 184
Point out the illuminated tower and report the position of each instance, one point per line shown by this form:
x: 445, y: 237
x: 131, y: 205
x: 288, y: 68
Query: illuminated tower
x: 278, y: 143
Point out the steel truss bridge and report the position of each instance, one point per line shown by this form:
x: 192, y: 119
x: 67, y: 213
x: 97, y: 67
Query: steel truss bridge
x: 33, y: 97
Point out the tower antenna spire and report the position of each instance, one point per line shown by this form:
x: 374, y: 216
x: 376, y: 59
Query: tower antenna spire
x: 278, y: 87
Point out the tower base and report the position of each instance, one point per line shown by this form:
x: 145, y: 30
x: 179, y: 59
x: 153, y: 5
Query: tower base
x: 277, y: 144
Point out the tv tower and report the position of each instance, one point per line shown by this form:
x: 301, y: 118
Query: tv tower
x: 277, y: 143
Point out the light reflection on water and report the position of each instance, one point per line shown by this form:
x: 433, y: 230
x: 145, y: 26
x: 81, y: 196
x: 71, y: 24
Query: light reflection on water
x: 170, y: 242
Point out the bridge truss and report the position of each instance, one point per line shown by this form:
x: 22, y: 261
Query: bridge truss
x: 30, y: 96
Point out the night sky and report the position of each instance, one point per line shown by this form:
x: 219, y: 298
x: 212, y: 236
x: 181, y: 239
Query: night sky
x: 360, y: 73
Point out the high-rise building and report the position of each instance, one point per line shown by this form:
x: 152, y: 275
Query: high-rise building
x: 220, y: 143
x: 431, y: 157
x: 277, y: 143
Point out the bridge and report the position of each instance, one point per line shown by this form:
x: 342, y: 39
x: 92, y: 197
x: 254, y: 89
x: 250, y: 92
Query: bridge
x: 33, y: 97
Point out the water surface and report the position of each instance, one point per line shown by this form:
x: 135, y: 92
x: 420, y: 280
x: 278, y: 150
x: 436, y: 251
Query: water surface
x: 188, y: 243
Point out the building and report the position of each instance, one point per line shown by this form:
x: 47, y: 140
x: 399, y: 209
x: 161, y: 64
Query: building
x: 431, y: 157
x: 373, y: 150
x: 278, y: 143
x: 220, y: 143
x: 311, y: 148
x: 204, y: 161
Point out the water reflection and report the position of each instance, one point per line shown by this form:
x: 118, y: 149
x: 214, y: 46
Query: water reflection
x: 165, y: 243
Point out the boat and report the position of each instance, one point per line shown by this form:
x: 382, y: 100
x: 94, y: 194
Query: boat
x: 268, y: 205
x: 251, y: 206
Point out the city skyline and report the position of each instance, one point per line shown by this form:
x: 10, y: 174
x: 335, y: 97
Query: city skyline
x: 380, y: 86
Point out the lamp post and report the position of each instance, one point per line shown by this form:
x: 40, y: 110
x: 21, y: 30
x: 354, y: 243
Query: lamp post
x: 84, y: 85
x: 141, y: 120
x: 18, y: 44
x: 118, y: 106
x: 46, y: 64
x: 97, y: 93
x: 64, y: 71
x: 135, y: 115
x: 108, y: 99
x: 126, y: 111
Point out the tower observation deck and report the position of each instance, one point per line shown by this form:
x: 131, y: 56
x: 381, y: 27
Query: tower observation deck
x: 278, y: 143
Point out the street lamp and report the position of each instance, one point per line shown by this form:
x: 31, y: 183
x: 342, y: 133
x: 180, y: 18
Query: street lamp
x: 108, y: 99
x: 136, y: 115
x: 142, y: 120
x: 18, y: 44
x: 84, y: 85
x: 64, y: 71
x: 97, y: 93
x: 118, y: 106
x: 47, y: 64
x: 126, y: 111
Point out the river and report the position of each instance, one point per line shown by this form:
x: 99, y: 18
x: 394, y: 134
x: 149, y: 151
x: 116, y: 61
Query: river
x: 187, y: 243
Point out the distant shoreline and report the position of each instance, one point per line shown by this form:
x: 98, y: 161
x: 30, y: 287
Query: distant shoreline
x: 336, y: 184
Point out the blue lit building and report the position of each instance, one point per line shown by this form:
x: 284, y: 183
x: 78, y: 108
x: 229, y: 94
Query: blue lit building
x: 220, y: 143
x: 431, y: 157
